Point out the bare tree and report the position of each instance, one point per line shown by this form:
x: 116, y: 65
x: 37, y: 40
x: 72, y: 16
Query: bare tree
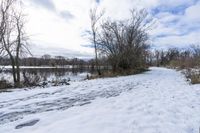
x: 94, y: 18
x: 5, y: 5
x: 13, y: 39
x: 125, y: 42
x: 60, y: 60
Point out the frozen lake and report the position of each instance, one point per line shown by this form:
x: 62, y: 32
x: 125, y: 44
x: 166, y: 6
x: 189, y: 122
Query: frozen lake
x: 48, y: 73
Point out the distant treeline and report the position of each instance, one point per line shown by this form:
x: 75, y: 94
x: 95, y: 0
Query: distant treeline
x: 177, y: 57
x: 187, y: 59
x: 48, y: 60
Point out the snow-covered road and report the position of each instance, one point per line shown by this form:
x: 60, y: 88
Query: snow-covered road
x: 158, y: 101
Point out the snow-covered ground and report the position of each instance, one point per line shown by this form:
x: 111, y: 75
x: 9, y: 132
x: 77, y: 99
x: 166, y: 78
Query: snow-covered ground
x: 158, y: 101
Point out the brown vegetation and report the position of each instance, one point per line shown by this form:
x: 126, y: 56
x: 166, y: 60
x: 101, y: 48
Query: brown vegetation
x: 4, y: 84
x: 124, y: 42
x: 187, y: 59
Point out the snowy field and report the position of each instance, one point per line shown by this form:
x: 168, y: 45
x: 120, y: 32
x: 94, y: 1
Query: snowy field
x: 158, y: 101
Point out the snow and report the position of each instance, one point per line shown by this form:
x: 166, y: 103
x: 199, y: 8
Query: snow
x: 157, y: 101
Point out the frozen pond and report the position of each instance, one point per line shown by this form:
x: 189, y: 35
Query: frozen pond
x: 48, y: 73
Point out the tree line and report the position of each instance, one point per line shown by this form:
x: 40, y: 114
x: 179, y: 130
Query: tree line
x: 56, y: 61
x: 177, y: 57
x: 185, y: 59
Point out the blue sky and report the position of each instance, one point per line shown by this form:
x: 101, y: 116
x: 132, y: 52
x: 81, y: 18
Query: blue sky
x: 179, y: 24
x: 60, y: 24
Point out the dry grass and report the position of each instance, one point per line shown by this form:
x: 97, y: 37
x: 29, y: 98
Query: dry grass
x: 193, y: 75
x: 4, y: 84
x: 118, y: 73
x: 195, y: 79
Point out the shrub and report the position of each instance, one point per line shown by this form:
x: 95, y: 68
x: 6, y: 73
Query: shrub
x: 31, y: 79
x: 5, y: 84
x: 193, y: 75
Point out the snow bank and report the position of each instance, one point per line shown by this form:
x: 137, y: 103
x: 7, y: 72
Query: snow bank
x: 158, y: 101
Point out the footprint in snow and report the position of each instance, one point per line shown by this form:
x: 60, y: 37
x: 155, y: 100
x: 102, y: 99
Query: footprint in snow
x: 27, y: 123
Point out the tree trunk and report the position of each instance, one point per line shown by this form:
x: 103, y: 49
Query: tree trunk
x: 13, y: 71
x: 17, y: 72
x: 96, y: 54
x: 17, y: 52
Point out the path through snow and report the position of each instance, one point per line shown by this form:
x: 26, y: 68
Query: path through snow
x: 158, y: 101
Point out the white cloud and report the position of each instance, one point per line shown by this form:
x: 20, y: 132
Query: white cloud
x: 48, y: 4
x: 50, y: 29
x: 192, y: 13
x: 177, y: 29
x: 178, y: 41
x: 39, y: 50
x: 166, y: 17
x: 64, y: 24
x: 175, y: 3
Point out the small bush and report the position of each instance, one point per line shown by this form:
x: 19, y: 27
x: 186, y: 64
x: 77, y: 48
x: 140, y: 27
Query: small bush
x: 195, y: 79
x: 193, y: 75
x: 5, y: 84
x: 31, y: 79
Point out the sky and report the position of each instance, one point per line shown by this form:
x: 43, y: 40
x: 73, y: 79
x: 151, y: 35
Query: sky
x: 58, y: 27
